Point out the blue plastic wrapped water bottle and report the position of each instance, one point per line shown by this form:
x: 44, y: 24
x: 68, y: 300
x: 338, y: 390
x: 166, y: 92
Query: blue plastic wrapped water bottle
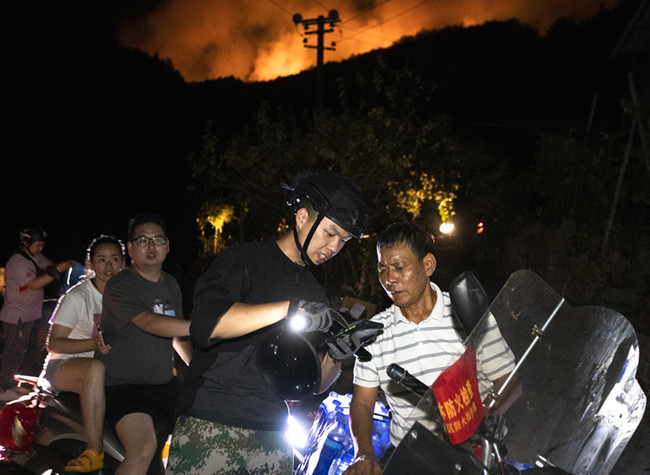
x: 338, y: 441
x: 341, y: 464
x: 329, y: 449
x: 380, y: 430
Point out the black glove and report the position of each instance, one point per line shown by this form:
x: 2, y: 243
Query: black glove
x: 349, y: 341
x: 310, y: 316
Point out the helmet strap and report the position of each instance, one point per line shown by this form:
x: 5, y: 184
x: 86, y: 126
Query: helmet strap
x: 25, y: 245
x: 303, y: 247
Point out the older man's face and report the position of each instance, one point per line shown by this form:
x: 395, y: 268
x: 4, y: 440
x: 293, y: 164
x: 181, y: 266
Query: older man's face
x: 404, y: 277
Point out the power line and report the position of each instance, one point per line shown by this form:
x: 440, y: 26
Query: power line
x: 359, y: 32
x: 321, y: 5
x: 357, y: 40
x: 404, y: 12
x: 280, y: 7
x: 365, y: 12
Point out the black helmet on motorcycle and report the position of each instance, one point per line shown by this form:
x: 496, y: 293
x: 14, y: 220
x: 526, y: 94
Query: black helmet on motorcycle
x: 334, y: 196
x: 30, y: 235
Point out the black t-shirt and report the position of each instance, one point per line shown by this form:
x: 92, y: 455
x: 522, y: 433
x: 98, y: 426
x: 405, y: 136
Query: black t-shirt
x: 224, y: 383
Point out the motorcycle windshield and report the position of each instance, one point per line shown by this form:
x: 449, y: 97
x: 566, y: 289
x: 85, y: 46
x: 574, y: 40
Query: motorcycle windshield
x: 579, y: 401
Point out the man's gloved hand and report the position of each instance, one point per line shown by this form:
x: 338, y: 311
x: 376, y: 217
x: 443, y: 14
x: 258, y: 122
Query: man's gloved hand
x: 307, y: 316
x: 349, y: 341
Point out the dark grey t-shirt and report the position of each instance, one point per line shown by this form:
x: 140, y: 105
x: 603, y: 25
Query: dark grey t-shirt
x: 138, y: 357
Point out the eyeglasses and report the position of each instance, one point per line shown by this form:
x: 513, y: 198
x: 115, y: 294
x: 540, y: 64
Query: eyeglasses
x: 144, y: 241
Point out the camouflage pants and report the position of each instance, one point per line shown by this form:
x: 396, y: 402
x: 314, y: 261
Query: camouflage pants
x: 206, y: 448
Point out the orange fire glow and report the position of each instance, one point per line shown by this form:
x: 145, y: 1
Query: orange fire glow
x: 256, y: 40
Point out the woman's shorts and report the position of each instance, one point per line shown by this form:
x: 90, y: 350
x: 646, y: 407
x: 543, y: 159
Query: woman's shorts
x: 50, y: 370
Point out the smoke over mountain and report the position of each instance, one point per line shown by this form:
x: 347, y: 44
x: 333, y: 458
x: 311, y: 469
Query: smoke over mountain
x: 257, y: 40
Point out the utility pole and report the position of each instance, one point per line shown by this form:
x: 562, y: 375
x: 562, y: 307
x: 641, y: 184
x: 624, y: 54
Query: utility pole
x: 332, y: 19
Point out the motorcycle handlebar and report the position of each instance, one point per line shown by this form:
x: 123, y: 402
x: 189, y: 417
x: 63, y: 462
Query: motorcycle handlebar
x: 404, y: 378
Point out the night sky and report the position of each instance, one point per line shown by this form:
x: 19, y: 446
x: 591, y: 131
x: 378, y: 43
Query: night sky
x: 81, y: 151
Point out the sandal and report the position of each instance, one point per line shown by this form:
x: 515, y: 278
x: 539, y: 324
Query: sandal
x: 89, y: 461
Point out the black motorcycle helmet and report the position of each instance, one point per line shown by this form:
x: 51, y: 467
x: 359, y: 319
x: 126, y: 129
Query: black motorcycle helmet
x: 290, y: 361
x: 331, y: 195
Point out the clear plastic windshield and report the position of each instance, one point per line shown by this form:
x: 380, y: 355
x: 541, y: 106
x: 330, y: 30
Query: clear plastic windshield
x: 575, y: 370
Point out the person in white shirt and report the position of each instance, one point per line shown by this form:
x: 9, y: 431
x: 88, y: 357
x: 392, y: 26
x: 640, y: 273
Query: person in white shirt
x: 420, y: 334
x: 74, y: 338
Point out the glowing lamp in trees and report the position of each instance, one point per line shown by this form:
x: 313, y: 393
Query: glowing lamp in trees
x: 447, y: 227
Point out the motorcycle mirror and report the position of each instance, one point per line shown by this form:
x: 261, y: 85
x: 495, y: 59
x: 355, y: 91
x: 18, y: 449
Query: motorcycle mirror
x: 468, y: 300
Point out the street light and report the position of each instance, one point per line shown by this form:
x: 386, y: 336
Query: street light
x: 447, y: 227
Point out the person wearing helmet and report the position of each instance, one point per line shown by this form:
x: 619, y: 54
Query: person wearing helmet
x: 231, y: 419
x: 329, y: 196
x: 27, y: 272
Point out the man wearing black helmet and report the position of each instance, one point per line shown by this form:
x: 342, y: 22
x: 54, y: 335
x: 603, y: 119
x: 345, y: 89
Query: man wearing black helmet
x: 231, y: 419
x: 27, y: 272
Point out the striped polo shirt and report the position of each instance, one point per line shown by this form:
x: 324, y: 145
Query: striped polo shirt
x: 425, y: 350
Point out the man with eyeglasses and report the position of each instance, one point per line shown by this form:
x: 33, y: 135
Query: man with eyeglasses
x: 142, y: 319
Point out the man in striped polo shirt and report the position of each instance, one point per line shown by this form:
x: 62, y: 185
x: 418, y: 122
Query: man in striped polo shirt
x: 420, y: 334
